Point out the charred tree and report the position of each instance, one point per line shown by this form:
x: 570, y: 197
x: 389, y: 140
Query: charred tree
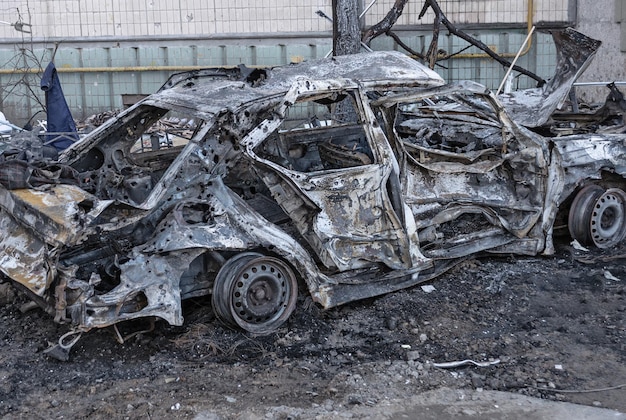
x: 346, y: 29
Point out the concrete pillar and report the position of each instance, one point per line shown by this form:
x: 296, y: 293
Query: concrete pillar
x: 607, y: 24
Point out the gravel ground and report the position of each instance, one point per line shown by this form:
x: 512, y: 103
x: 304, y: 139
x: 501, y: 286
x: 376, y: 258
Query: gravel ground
x: 547, y: 327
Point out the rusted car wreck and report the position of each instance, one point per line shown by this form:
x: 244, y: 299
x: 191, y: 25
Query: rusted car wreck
x: 358, y: 175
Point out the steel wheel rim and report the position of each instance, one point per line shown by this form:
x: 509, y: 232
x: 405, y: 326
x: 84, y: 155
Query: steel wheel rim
x: 608, y: 219
x: 580, y: 213
x: 255, y: 292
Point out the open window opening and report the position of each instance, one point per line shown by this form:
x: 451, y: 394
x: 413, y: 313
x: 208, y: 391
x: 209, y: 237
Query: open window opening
x: 319, y: 133
x: 128, y: 162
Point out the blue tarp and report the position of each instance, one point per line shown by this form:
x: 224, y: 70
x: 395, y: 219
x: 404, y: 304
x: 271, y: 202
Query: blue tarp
x: 61, y: 127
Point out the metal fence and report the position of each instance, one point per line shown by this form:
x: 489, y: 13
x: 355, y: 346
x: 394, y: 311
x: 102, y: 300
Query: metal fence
x: 131, y: 18
x: 107, y: 50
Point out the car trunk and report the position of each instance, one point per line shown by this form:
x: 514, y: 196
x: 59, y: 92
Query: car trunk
x: 35, y: 224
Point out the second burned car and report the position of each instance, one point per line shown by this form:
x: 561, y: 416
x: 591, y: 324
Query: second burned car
x: 356, y: 176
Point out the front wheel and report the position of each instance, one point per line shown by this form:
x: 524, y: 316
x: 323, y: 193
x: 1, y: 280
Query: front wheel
x: 598, y: 217
x: 255, y: 292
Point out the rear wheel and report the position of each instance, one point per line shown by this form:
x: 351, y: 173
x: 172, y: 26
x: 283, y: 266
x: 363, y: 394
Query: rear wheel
x: 255, y: 292
x: 598, y: 217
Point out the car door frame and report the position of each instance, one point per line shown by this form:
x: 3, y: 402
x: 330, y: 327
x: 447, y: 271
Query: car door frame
x: 331, y: 236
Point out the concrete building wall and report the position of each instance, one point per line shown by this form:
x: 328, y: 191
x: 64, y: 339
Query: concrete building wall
x: 600, y: 21
x: 129, y: 18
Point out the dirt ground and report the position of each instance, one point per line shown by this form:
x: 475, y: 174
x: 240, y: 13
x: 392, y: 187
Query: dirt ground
x: 548, y: 327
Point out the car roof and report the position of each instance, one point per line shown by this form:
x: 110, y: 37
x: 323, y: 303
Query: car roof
x: 213, y: 91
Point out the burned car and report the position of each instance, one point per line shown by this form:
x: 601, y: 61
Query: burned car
x: 351, y: 177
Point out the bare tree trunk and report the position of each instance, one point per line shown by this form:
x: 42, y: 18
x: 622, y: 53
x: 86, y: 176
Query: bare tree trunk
x: 346, y: 30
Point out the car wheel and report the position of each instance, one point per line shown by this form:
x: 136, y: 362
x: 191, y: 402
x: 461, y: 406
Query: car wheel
x: 598, y: 217
x: 255, y: 292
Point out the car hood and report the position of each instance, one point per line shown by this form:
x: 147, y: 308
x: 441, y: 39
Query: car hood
x: 533, y: 107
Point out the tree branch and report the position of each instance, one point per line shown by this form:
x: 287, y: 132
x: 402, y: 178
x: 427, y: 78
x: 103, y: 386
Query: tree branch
x: 441, y: 18
x: 406, y: 47
x: 384, y: 25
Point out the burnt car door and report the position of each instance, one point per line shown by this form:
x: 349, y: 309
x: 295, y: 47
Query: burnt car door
x: 328, y: 164
x: 474, y: 180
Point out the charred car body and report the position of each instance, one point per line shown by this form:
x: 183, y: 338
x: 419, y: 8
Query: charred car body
x: 359, y: 175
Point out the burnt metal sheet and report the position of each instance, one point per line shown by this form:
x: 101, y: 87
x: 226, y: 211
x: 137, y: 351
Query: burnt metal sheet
x: 50, y: 217
x: 533, y: 107
x: 54, y: 213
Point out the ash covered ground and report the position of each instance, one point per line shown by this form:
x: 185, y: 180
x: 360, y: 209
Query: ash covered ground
x: 548, y: 327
